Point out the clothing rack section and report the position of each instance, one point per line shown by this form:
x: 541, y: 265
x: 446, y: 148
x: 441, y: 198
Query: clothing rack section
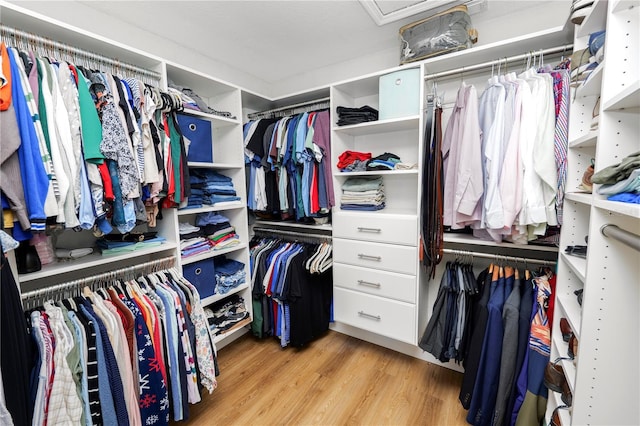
x: 498, y: 257
x: 295, y: 235
x: 625, y: 237
x: 497, y: 324
x: 292, y: 286
x: 529, y: 56
x: 289, y: 166
x: 75, y: 286
x: 54, y: 49
x: 122, y: 351
x: 314, y: 105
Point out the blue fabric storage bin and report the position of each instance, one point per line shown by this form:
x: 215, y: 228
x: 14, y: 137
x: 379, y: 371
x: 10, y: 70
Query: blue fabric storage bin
x: 399, y: 94
x: 202, y: 275
x: 199, y: 145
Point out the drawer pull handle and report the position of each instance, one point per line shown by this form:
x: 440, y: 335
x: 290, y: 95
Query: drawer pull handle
x: 374, y: 230
x: 370, y: 284
x: 366, y: 315
x: 369, y: 257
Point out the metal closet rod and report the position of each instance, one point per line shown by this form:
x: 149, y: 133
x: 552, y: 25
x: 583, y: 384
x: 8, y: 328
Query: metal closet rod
x: 625, y: 237
x: 291, y: 233
x: 150, y: 266
x: 505, y: 60
x: 317, y: 103
x: 499, y: 256
x: 19, y: 36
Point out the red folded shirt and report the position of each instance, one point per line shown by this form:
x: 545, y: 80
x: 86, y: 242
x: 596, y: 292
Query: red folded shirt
x: 349, y: 157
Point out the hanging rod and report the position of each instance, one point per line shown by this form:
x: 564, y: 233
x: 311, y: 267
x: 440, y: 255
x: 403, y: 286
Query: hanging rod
x: 499, y: 256
x: 489, y: 64
x: 150, y: 266
x: 66, y: 49
x: 315, y: 104
x: 290, y: 233
x: 625, y: 237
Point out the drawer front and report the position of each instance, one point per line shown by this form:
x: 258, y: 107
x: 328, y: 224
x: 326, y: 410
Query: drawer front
x: 387, y: 257
x: 385, y: 317
x: 384, y: 284
x: 384, y: 229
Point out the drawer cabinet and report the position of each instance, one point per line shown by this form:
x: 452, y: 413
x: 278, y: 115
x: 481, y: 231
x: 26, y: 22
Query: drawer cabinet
x: 386, y: 257
x: 390, y: 229
x: 379, y: 315
x: 380, y: 283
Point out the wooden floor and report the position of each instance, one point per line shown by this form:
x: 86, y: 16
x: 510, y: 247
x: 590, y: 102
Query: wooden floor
x: 337, y: 380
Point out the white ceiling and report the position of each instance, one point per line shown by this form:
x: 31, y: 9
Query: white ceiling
x: 268, y: 44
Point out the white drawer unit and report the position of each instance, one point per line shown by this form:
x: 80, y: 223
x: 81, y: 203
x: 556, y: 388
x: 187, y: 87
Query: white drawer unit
x: 391, y: 229
x: 380, y: 283
x: 387, y: 257
x: 385, y: 317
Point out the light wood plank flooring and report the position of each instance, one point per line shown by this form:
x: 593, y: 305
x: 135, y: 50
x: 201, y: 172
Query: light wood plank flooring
x: 336, y: 380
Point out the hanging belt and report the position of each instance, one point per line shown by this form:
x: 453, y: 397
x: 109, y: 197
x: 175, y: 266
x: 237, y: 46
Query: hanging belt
x: 432, y: 191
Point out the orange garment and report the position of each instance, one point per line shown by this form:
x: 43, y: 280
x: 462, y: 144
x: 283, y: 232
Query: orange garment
x: 5, y: 89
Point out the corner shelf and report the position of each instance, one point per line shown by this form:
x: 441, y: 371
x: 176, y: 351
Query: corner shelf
x: 569, y: 304
x: 592, y: 85
x: 579, y: 197
x: 585, y: 141
x: 627, y: 98
x: 217, y: 166
x: 212, y: 253
x: 211, y: 208
x: 595, y: 21
x: 577, y: 264
x: 627, y: 209
x: 376, y: 173
x: 217, y: 297
x: 380, y: 126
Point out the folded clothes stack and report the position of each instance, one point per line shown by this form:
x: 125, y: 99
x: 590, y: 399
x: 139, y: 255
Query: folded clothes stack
x: 585, y: 61
x: 213, y: 231
x: 211, y: 188
x: 229, y: 274
x: 225, y: 314
x: 120, y: 246
x: 363, y: 193
x: 354, y: 161
x: 347, y: 116
x: 621, y: 182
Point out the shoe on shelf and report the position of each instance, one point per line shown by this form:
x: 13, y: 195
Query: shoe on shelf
x: 578, y: 293
x: 587, y: 179
x: 555, y: 416
x: 565, y: 329
x: 572, y: 351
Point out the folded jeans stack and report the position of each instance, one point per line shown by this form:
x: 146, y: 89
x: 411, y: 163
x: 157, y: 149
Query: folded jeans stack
x: 210, y: 187
x: 363, y: 193
x: 229, y: 274
x: 347, y: 116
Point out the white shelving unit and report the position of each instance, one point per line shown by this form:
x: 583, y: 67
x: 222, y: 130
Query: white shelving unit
x: 605, y: 379
x: 226, y: 145
x: 375, y: 253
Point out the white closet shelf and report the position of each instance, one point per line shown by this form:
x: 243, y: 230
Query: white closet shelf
x: 469, y: 239
x: 376, y: 173
x: 579, y: 197
x: 569, y: 369
x: 577, y: 264
x: 90, y: 261
x: 216, y: 166
x: 380, y: 126
x: 561, y: 347
x: 627, y: 98
x: 276, y: 224
x: 217, y: 120
x: 569, y: 304
x: 622, y: 5
x: 591, y: 86
x: 585, y: 141
x: 212, y: 253
x: 595, y: 21
x: 231, y: 331
x: 627, y: 209
x: 216, y: 297
x: 387, y: 211
x: 229, y: 205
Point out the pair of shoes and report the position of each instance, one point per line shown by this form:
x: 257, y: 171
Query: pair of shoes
x: 555, y: 380
x: 555, y: 416
x: 579, y: 251
x: 569, y: 337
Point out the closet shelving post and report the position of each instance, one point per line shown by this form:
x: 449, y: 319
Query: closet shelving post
x: 228, y: 159
x: 54, y: 37
x: 605, y: 377
x: 376, y: 253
